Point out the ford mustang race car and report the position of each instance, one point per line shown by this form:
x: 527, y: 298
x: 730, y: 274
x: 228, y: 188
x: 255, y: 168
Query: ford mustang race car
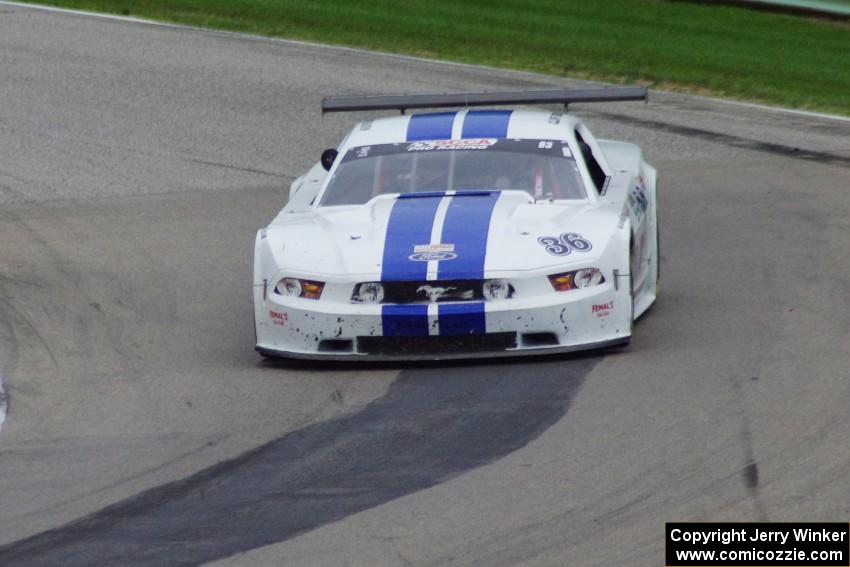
x: 465, y: 233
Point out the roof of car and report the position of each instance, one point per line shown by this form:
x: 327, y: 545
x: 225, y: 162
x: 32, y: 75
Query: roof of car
x: 463, y: 124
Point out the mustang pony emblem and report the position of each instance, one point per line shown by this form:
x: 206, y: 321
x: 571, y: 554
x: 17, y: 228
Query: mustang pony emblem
x: 434, y: 293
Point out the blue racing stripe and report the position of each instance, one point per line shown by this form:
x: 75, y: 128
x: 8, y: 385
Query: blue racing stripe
x: 461, y: 319
x: 466, y: 226
x: 486, y: 124
x: 410, y: 223
x: 436, y: 126
x: 405, y: 320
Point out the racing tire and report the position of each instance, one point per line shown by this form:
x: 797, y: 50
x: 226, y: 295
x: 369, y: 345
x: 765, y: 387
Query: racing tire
x: 631, y: 285
x: 657, y: 259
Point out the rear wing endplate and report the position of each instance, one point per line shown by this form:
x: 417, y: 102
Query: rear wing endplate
x: 541, y: 96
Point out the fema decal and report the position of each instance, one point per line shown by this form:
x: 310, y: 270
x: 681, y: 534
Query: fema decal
x: 602, y: 310
x: 565, y: 244
x: 278, y: 318
x: 433, y: 253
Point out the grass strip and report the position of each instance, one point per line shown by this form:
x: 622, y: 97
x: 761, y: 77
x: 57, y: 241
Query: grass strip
x: 720, y: 50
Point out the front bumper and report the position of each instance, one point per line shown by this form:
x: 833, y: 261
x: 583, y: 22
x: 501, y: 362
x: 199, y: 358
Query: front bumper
x: 274, y: 353
x: 550, y: 323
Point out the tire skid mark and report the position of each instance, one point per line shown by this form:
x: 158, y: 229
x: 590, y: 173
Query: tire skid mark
x: 750, y: 470
x: 433, y: 424
x: 9, y: 355
x: 732, y: 140
x: 32, y: 328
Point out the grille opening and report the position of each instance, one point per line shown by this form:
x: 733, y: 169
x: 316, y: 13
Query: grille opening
x: 539, y: 339
x: 436, y: 345
x: 336, y: 345
x: 433, y: 291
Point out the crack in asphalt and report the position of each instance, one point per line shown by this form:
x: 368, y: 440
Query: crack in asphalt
x: 433, y: 424
x: 4, y: 403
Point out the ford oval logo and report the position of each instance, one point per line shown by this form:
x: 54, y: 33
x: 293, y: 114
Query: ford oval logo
x: 432, y: 256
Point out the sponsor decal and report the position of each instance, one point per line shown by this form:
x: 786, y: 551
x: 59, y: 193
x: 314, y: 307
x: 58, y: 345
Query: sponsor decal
x: 364, y: 151
x: 429, y: 145
x: 637, y: 200
x: 433, y: 253
x: 602, y: 309
x: 278, y: 317
x: 434, y: 248
x: 565, y: 244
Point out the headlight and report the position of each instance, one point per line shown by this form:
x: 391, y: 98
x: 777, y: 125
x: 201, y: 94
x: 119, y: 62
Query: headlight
x: 586, y: 277
x: 294, y: 287
x: 368, y: 292
x: 496, y: 290
x: 289, y: 287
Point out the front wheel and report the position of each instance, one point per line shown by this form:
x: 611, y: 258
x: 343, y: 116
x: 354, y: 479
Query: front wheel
x: 657, y: 259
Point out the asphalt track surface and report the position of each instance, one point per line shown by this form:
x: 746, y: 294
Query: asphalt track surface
x: 137, y: 161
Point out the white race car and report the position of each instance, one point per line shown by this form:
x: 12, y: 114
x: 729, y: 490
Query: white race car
x: 458, y: 234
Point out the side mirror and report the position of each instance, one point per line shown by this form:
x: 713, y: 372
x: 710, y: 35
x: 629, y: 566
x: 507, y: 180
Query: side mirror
x: 328, y: 158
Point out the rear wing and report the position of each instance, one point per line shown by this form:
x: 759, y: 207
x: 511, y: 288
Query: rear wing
x: 542, y: 96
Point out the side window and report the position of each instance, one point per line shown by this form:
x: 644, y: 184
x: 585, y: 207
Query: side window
x: 597, y: 174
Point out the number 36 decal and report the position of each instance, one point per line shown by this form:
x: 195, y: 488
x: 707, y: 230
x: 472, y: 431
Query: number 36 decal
x: 564, y: 244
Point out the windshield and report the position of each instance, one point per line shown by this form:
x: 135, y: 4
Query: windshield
x: 544, y: 168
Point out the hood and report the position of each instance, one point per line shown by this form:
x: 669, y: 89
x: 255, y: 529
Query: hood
x: 464, y: 236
